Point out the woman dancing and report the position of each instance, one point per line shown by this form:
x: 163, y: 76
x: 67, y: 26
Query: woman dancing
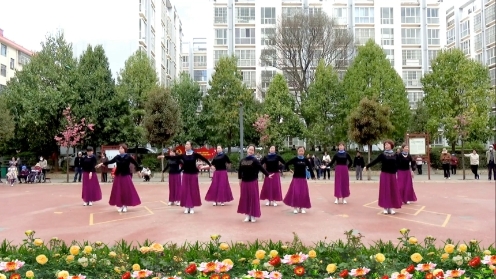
x: 298, y: 195
x: 91, y: 187
x: 271, y: 188
x: 123, y: 192
x: 249, y: 200
x: 342, y: 175
x: 389, y: 194
x: 220, y: 190
x: 174, y: 167
x: 406, y: 167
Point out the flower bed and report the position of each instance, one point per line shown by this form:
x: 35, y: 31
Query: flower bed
x: 349, y: 258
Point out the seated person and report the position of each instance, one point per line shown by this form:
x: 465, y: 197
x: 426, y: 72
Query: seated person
x: 146, y: 173
x: 23, y: 174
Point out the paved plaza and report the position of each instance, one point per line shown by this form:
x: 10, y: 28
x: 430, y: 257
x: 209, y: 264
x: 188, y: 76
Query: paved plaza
x: 456, y: 209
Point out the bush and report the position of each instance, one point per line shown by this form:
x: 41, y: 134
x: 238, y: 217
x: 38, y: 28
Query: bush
x: 348, y: 258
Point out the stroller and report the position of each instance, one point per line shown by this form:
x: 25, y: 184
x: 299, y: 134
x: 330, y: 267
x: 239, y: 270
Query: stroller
x: 35, y: 175
x: 12, y: 175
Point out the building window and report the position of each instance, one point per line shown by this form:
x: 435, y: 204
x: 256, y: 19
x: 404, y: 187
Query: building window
x: 410, y: 36
x: 432, y: 54
x: 2, y: 87
x: 269, y: 58
x: 3, y: 70
x: 268, y: 15
x: 185, y: 63
x: 200, y: 61
x: 477, y: 22
x: 267, y: 77
x: 390, y: 55
x: 250, y: 78
x: 245, y: 15
x: 23, y: 58
x: 410, y: 15
x: 464, y: 29
x: 265, y: 34
x: 412, y: 57
x: 218, y: 54
x: 432, y: 15
x: 221, y: 36
x: 490, y: 54
x: 414, y: 97
x: 290, y: 11
x: 142, y: 29
x: 478, y: 58
x: 220, y: 15
x: 478, y: 42
x: 362, y: 35
x: 450, y: 36
x: 412, y: 78
x: 465, y: 46
x: 341, y: 15
x: 387, y: 15
x: 387, y: 36
x: 490, y: 35
x: 245, y: 36
x: 314, y: 10
x: 364, y: 15
x: 12, y: 63
x: 246, y: 57
x: 433, y: 37
x: 490, y: 14
x: 492, y: 74
x: 3, y: 50
x: 200, y: 75
x: 152, y: 42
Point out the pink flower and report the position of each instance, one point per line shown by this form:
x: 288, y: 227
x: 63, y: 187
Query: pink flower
x: 425, y: 267
x: 455, y: 273
x: 222, y: 267
x: 489, y: 260
x: 276, y: 275
x: 294, y: 259
x: 208, y: 267
x: 405, y: 275
x: 361, y: 271
x: 76, y: 277
x: 11, y: 266
x: 142, y: 273
x: 258, y: 274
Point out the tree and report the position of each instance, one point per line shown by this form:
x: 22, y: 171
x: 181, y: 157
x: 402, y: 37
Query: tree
x: 372, y: 75
x: 188, y: 96
x: 418, y: 122
x: 300, y: 41
x: 221, y: 106
x: 98, y: 101
x: 38, y: 95
x: 73, y: 134
x: 261, y: 125
x: 134, y: 83
x: 320, y: 109
x: 280, y: 106
x: 7, y: 124
x: 368, y: 123
x: 458, y: 88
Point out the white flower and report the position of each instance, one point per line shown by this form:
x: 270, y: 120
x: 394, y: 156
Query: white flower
x: 83, y: 261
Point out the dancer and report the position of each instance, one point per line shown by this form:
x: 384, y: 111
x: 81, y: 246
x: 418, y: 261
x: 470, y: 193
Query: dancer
x: 190, y: 188
x: 389, y: 194
x: 445, y: 160
x: 298, y: 195
x: 271, y: 188
x: 220, y: 190
x: 91, y: 187
x: 474, y: 163
x: 249, y: 200
x: 342, y: 175
x: 406, y: 168
x: 174, y: 167
x: 123, y: 192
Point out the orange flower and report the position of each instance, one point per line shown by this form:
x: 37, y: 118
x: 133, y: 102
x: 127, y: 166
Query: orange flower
x: 258, y: 274
x: 15, y: 276
x: 226, y: 276
x: 211, y: 267
x: 294, y: 259
x: 215, y: 276
x: 429, y: 276
x: 11, y: 266
x: 299, y: 271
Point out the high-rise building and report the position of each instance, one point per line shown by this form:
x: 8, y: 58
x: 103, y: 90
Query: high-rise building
x: 471, y: 27
x: 410, y: 32
x: 194, y: 61
x: 12, y: 58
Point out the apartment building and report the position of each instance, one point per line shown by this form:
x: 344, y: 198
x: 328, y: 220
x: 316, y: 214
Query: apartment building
x: 471, y: 27
x: 12, y: 58
x: 194, y: 61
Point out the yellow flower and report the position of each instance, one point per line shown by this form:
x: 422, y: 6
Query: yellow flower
x: 416, y: 257
x: 273, y: 253
x: 28, y: 232
x: 87, y: 250
x: 430, y: 253
x: 473, y: 241
x: 412, y: 240
x: 117, y: 269
x: 255, y: 261
x: 157, y: 247
x: 55, y: 238
x: 69, y: 258
x: 144, y: 249
x: 2, y: 276
x: 331, y: 268
x: 492, y: 267
x: 177, y: 259
x: 112, y: 254
x: 449, y: 248
x: 223, y: 246
x: 38, y: 242
x: 64, y: 274
x: 444, y: 256
x: 136, y: 267
x: 242, y: 260
x: 403, y: 271
x: 29, y: 274
x: 260, y: 254
x: 41, y: 259
x: 98, y: 243
x: 227, y: 262
x: 403, y: 231
x: 284, y: 247
x: 312, y: 254
x: 436, y: 271
x: 74, y: 250
x: 379, y: 257
x: 462, y: 248
x: 487, y: 252
x: 214, y: 236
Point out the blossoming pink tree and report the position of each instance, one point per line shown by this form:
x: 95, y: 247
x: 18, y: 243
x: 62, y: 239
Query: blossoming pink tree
x: 73, y: 134
x: 261, y: 126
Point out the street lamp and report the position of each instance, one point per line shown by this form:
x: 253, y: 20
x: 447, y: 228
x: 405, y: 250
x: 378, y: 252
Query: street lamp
x: 241, y: 131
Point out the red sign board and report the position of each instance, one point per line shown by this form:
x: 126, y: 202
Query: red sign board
x: 208, y: 153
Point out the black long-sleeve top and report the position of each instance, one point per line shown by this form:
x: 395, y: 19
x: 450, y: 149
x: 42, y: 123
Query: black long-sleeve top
x: 122, y: 161
x: 174, y: 166
x: 189, y: 162
x: 359, y: 161
x: 389, y: 162
x: 78, y: 162
x: 220, y: 161
x: 300, y: 167
x: 249, y: 168
x: 88, y: 163
x: 406, y: 162
x: 272, y: 162
x: 341, y: 159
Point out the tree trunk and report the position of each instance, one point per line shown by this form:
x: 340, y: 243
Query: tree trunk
x: 453, y: 147
x: 67, y: 163
x: 368, y: 159
x: 162, y: 165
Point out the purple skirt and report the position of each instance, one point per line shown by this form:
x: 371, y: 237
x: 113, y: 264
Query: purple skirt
x: 174, y: 187
x: 190, y: 191
x: 342, y: 182
x: 249, y: 200
x: 298, y: 194
x: 389, y: 194
x: 405, y: 184
x: 91, y: 188
x: 271, y: 188
x: 123, y: 192
x: 220, y: 190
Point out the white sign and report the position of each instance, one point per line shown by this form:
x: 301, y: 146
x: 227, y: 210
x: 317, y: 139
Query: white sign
x: 417, y: 146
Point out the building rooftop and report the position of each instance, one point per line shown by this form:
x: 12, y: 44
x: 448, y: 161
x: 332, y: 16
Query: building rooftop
x: 13, y: 44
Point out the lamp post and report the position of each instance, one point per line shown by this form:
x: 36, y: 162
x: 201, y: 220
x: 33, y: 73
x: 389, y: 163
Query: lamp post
x: 241, y: 130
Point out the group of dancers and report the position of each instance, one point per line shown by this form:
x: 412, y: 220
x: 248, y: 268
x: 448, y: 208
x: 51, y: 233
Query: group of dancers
x: 395, y: 186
